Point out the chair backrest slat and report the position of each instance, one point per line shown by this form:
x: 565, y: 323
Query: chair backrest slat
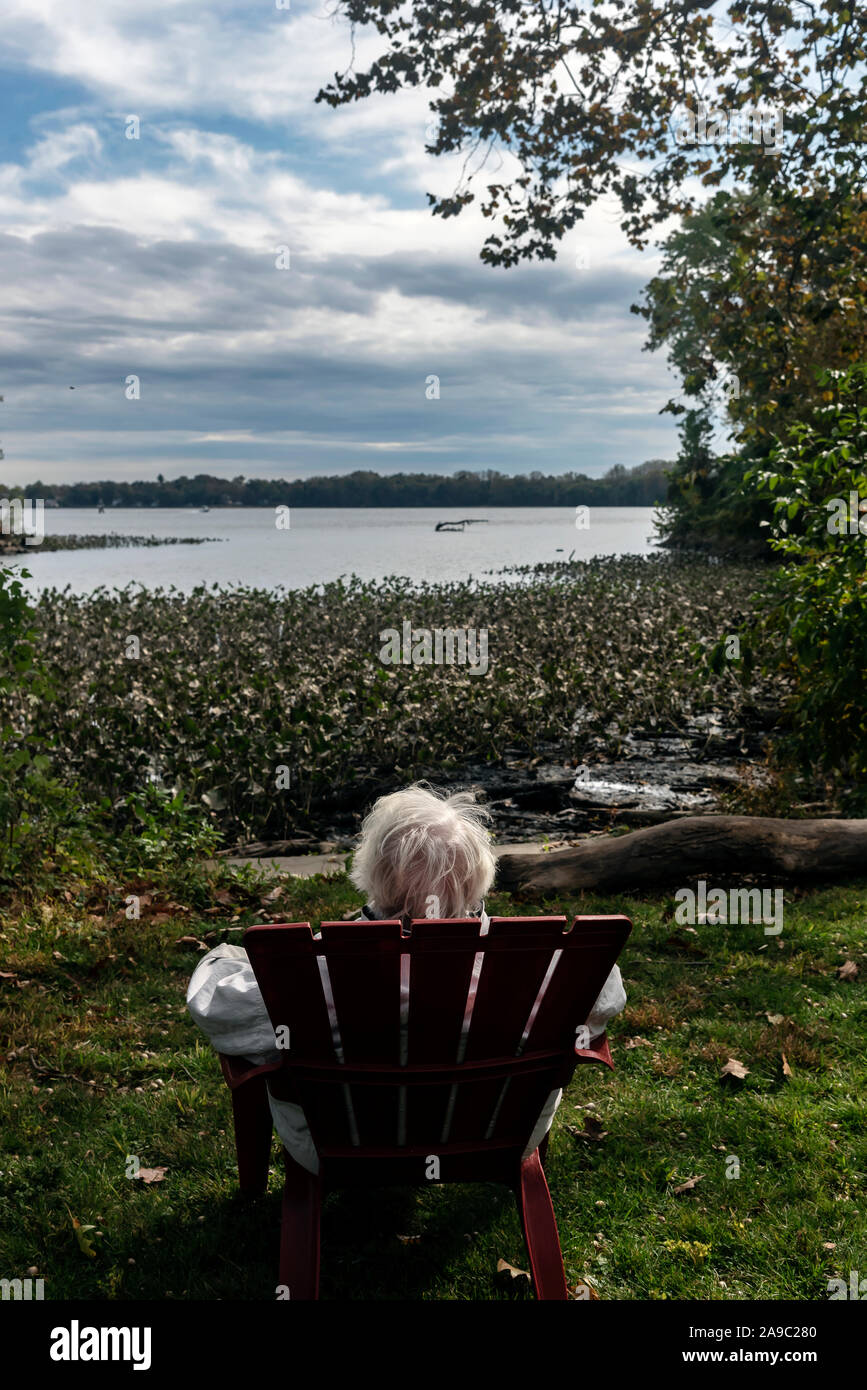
x: 510, y: 982
x: 364, y: 971
x: 286, y: 966
x: 575, y: 985
x: 443, y: 959
x: 365, y: 994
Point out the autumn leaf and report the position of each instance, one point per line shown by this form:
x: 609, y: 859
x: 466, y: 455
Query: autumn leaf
x: 190, y: 943
x: 150, y: 1175
x: 688, y: 1185
x: 82, y: 1237
x: 787, y: 1070
x: 774, y: 1018
x: 636, y: 1042
x: 592, y: 1129
x: 735, y: 1069
x: 511, y: 1271
x: 847, y: 971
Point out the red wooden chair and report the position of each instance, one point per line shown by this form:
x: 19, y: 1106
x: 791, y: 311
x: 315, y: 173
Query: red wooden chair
x: 438, y: 1043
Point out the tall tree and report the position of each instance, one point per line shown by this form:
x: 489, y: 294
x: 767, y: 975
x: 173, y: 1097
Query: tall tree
x: 635, y: 98
x: 753, y: 297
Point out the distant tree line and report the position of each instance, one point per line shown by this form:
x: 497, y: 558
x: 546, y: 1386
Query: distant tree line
x: 642, y: 486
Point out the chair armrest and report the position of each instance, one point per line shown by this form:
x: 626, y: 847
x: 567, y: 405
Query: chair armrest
x: 237, y: 1070
x: 598, y: 1051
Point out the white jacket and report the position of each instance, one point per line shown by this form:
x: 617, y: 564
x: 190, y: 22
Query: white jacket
x: 224, y: 1000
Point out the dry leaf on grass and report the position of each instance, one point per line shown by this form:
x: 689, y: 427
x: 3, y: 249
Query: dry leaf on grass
x: 787, y: 1070
x: 150, y: 1175
x: 688, y: 1185
x: 847, y: 971
x: 511, y: 1271
x: 735, y: 1069
x: 636, y: 1042
x: 593, y: 1129
x: 583, y: 1291
x: 774, y: 1018
x: 190, y: 943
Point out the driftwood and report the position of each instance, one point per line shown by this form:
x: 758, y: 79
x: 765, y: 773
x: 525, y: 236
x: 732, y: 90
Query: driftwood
x: 694, y: 847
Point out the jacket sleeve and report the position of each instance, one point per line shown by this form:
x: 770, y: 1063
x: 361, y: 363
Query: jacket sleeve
x: 611, y: 1001
x: 224, y: 1000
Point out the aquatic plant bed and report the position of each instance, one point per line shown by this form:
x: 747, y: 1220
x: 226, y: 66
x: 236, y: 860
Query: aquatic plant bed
x: 15, y: 546
x: 277, y: 711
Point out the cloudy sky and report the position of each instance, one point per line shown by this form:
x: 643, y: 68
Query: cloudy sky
x: 157, y: 258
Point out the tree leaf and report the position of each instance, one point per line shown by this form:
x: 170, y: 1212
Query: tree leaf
x: 84, y: 1243
x: 688, y: 1185
x: 150, y: 1175
x: 735, y: 1069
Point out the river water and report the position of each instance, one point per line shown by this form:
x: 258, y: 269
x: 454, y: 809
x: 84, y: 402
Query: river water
x: 321, y: 544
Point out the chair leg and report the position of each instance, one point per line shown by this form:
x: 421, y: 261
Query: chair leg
x: 540, y: 1230
x: 299, y: 1231
x: 252, y: 1116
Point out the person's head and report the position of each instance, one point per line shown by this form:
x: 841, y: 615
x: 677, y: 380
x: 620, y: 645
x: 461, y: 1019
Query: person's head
x: 425, y: 854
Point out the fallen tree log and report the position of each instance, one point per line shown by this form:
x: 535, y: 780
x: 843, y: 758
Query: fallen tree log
x: 696, y: 847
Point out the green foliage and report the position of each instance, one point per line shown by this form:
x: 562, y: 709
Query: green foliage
x: 233, y: 684
x: 705, y: 506
x: 819, y: 597
x: 751, y: 295
x: 40, y: 816
x: 589, y: 101
x: 166, y: 832
x: 16, y: 631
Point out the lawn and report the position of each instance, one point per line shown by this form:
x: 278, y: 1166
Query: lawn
x: 104, y: 1065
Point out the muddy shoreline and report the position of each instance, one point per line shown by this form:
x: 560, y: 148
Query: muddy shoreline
x: 653, y: 777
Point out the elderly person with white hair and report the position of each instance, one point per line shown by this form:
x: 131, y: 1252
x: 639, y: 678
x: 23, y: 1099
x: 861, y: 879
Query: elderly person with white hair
x: 420, y: 855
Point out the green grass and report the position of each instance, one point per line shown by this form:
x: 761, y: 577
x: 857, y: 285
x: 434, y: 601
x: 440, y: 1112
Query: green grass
x: 104, y: 1062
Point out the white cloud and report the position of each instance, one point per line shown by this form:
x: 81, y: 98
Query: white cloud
x: 158, y: 257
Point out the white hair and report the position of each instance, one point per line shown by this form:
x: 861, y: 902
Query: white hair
x: 425, y: 853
